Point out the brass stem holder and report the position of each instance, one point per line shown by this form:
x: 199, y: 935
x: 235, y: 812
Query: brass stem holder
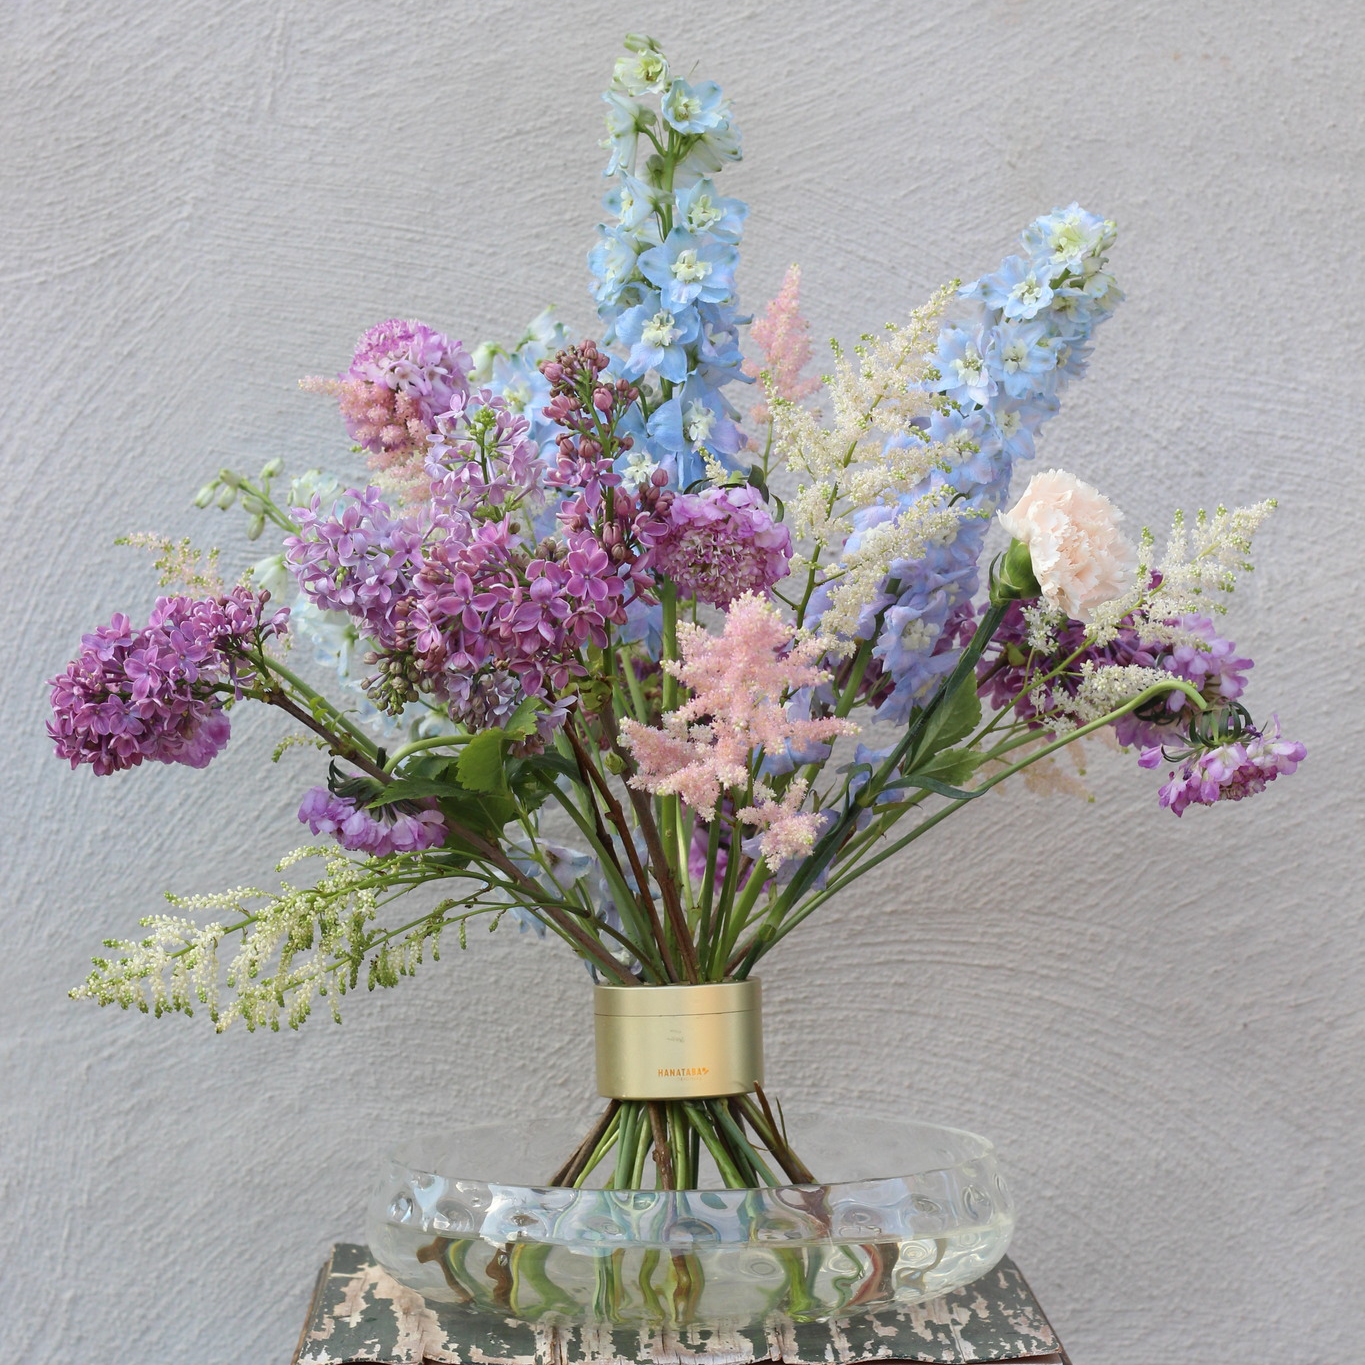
x: 679, y: 1042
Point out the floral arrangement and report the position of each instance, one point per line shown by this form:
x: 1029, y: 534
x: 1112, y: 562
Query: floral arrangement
x: 567, y: 595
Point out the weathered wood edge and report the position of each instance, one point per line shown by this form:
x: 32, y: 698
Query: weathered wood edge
x: 360, y: 1316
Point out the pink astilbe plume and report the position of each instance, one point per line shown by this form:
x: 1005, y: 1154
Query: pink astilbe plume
x: 738, y: 681
x: 403, y: 377
x: 783, y: 336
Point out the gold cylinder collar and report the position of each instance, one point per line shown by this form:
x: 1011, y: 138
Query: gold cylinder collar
x: 679, y: 1042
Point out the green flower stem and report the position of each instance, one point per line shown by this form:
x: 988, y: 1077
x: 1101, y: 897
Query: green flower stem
x: 317, y: 703
x: 637, y: 693
x: 599, y: 1152
x: 269, y: 507
x: 1175, y: 684
x: 740, y: 917
x: 417, y: 745
x: 640, y: 938
x: 593, y: 778
x: 738, y: 1139
x: 656, y: 847
x: 705, y: 1130
x: 708, y: 884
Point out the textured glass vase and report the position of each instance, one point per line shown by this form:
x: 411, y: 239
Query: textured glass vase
x: 911, y: 1211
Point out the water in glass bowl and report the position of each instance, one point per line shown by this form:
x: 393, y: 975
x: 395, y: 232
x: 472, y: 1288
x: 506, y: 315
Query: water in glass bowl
x: 911, y: 1211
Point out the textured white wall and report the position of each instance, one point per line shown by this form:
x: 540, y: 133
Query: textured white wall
x: 1158, y: 1021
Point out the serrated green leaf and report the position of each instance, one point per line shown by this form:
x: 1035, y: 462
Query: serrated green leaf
x: 523, y: 720
x: 480, y: 766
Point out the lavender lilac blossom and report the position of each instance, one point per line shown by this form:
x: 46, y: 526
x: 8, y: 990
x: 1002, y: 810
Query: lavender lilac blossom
x: 157, y: 694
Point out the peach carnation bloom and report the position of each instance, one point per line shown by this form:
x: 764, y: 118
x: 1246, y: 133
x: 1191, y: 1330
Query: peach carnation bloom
x: 1080, y: 558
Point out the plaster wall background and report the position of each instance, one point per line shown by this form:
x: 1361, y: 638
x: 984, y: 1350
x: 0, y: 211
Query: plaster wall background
x: 1158, y: 1021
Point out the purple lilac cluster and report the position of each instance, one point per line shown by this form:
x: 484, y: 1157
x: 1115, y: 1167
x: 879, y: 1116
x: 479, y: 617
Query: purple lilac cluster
x: 1212, y: 665
x: 157, y: 693
x: 1240, y: 768
x: 481, y: 457
x: 585, y: 403
x: 358, y: 558
x: 722, y: 543
x: 482, y: 603
x: 404, y: 827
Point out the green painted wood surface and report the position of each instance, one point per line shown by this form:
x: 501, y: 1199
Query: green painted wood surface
x: 360, y: 1314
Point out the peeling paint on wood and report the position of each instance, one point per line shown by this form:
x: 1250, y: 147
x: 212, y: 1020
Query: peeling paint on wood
x: 361, y: 1316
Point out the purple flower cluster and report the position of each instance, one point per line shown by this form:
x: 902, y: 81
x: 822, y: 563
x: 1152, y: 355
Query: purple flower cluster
x: 1231, y: 771
x: 1213, y: 666
x: 586, y: 402
x: 722, y: 543
x: 357, y: 558
x: 404, y: 827
x: 481, y: 456
x: 481, y: 603
x: 157, y: 693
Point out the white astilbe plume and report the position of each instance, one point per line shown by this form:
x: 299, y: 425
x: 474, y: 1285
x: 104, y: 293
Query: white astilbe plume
x: 859, y: 577
x: 1105, y: 688
x: 875, y: 394
x: 1199, y: 562
x: 296, y: 944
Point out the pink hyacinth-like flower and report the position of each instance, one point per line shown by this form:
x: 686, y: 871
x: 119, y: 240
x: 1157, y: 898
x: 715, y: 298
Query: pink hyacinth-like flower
x: 1230, y: 772
x: 402, y: 378
x: 404, y: 827
x: 157, y: 694
x: 783, y: 336
x: 738, y: 681
x: 723, y: 543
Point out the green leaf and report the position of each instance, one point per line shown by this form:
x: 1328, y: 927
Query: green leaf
x: 523, y: 720
x: 412, y: 789
x: 480, y: 765
x: 951, y: 765
x: 954, y: 718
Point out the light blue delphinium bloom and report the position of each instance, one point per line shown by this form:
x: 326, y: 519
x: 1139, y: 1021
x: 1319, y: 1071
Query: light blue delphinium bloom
x: 963, y: 363
x: 695, y: 417
x: 613, y: 265
x: 719, y: 359
x: 658, y: 336
x: 1018, y: 289
x: 625, y: 120
x: 700, y: 108
x: 633, y: 202
x: 1023, y: 357
x: 664, y: 269
x: 699, y: 209
x: 1002, y: 371
x: 687, y: 268
x: 1062, y: 240
x: 644, y: 71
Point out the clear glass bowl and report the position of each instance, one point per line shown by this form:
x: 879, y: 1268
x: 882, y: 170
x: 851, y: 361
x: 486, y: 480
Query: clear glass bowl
x: 914, y: 1211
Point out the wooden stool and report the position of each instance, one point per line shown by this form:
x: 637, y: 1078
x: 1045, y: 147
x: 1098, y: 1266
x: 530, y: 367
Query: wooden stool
x: 360, y: 1315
